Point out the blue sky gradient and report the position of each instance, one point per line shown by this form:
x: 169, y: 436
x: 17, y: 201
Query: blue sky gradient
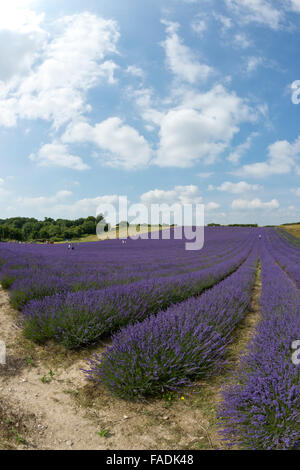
x: 165, y: 101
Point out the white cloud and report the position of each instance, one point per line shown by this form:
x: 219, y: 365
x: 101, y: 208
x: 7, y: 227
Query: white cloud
x: 204, y: 174
x: 281, y: 160
x: 18, y: 52
x: 180, y: 59
x: 22, y: 38
x: 143, y: 98
x: 124, y: 146
x: 42, y: 201
x: 242, y: 204
x: 241, y: 149
x: 57, y: 154
x: 238, y: 188
x: 295, y: 5
x: 211, y: 206
x: 85, y: 207
x: 3, y: 192
x: 253, y: 63
x: 178, y: 195
x: 201, y: 128
x: 73, y: 60
x: 224, y: 20
x: 135, y: 71
x: 199, y: 25
x: 17, y: 15
x: 242, y: 41
x: 56, y: 206
x: 258, y: 11
x: 296, y: 191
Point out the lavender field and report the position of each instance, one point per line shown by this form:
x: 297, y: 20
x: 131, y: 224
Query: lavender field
x: 168, y: 318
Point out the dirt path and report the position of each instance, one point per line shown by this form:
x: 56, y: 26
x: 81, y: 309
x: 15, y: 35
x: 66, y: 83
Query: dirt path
x: 52, y: 419
x: 210, y: 396
x: 39, y: 410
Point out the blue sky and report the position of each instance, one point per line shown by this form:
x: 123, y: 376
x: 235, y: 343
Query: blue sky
x: 164, y: 101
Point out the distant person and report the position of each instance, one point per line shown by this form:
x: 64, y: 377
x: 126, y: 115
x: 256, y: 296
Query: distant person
x: 69, y: 246
x: 259, y: 236
x: 72, y: 247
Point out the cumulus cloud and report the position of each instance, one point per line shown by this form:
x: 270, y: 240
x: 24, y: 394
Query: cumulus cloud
x: 238, y: 188
x: 122, y: 145
x: 295, y: 5
x: 3, y: 192
x: 72, y: 60
x: 201, y: 128
x: 17, y: 53
x: 257, y: 11
x: 57, y: 154
x: 22, y: 38
x: 282, y: 158
x: 296, y: 191
x: 199, y: 25
x: 43, y: 200
x: 241, y: 149
x: 205, y: 174
x: 84, y: 207
x: 179, y: 195
x: 135, y: 71
x: 241, y: 40
x: 212, y: 206
x: 242, y: 204
x: 18, y: 16
x: 180, y: 59
x: 253, y: 63
x: 225, y: 21
x: 143, y: 98
x: 57, y: 205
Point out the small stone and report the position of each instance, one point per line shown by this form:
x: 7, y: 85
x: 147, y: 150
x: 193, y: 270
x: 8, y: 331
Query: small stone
x: 165, y: 417
x: 69, y: 443
x: 126, y: 417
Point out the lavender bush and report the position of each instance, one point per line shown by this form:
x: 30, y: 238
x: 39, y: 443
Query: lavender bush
x: 262, y: 411
x: 187, y: 341
x: 102, y: 264
x: 80, y: 318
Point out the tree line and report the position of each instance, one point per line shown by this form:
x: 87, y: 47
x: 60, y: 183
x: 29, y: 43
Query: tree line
x: 30, y: 229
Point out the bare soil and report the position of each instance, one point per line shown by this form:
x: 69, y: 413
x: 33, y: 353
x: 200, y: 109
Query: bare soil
x: 46, y: 402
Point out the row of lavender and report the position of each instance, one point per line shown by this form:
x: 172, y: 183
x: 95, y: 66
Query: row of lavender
x: 79, y: 318
x: 262, y: 411
x: 35, y: 271
x: 286, y: 254
x: 167, y: 351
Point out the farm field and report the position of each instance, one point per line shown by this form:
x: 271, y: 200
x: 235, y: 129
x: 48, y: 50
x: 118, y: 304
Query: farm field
x: 145, y: 345
x: 114, y: 233
x: 293, y: 229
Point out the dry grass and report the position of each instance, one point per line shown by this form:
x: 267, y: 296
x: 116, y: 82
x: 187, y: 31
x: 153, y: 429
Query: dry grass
x: 115, y: 234
x: 292, y: 229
